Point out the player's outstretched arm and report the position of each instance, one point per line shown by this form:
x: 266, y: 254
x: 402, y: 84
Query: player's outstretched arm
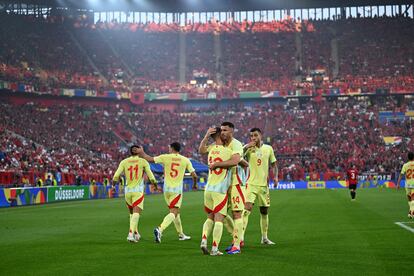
x: 233, y: 161
x: 145, y: 156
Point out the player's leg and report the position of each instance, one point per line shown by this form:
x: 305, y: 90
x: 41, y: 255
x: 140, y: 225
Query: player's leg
x: 352, y: 189
x: 237, y: 207
x: 174, y: 203
x: 220, y: 211
x: 209, y: 223
x: 228, y: 223
x: 251, y: 194
x: 410, y: 198
x: 136, y: 233
x: 264, y: 204
x: 136, y: 200
x: 217, y: 233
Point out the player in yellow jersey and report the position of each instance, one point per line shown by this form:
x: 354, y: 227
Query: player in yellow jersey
x: 133, y: 168
x: 408, y: 171
x: 236, y: 191
x: 216, y: 194
x: 175, y: 166
x: 260, y: 157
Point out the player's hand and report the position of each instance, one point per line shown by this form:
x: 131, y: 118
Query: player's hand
x: 275, y: 182
x: 398, y: 186
x: 210, y: 131
x: 212, y: 166
x: 250, y: 145
x: 139, y: 150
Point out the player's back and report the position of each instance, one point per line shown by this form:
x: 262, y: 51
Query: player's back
x: 219, y: 179
x: 175, y: 166
x: 133, y: 167
x: 352, y: 175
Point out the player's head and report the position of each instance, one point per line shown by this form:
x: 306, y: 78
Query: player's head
x: 411, y: 156
x: 133, y: 150
x: 227, y: 130
x: 175, y: 147
x: 217, y: 136
x: 256, y: 135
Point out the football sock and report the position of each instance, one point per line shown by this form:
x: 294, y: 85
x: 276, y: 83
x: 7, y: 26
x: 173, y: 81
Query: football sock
x: 264, y: 224
x: 217, y: 232
x: 167, y: 221
x: 353, y: 194
x: 238, y: 231
x: 229, y: 224
x: 207, y: 228
x: 411, y: 204
x: 133, y: 222
x: 178, y: 225
x: 246, y: 215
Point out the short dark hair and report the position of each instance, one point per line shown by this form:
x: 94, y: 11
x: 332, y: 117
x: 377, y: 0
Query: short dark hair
x: 230, y: 125
x: 256, y: 129
x: 218, y: 131
x: 131, y: 148
x: 411, y: 156
x: 176, y: 146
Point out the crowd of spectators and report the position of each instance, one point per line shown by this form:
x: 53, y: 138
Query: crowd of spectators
x: 317, y: 137
x: 375, y: 53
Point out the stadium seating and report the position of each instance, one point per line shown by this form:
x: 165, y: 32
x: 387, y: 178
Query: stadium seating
x: 259, y: 56
x: 318, y: 137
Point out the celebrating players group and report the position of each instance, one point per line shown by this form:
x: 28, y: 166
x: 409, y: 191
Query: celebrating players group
x: 228, y: 197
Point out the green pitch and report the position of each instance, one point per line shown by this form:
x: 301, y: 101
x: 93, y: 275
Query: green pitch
x: 316, y: 231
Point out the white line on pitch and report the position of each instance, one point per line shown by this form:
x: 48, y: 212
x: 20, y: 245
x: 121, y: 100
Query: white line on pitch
x: 401, y: 224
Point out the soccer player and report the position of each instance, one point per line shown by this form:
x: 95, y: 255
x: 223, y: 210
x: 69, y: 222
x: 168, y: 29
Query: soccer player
x: 408, y: 171
x: 175, y: 166
x: 352, y: 177
x: 216, y: 194
x: 236, y: 191
x: 260, y: 157
x: 133, y: 168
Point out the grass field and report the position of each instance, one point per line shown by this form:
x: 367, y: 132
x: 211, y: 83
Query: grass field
x: 317, y: 232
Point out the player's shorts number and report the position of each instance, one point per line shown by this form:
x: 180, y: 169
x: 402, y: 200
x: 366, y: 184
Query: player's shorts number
x: 235, y: 199
x: 131, y: 169
x: 174, y: 172
x: 409, y: 174
x: 216, y: 171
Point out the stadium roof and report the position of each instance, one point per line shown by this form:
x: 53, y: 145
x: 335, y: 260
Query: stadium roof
x: 200, y: 5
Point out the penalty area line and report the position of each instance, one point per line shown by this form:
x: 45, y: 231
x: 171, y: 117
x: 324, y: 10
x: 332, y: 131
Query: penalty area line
x: 402, y: 225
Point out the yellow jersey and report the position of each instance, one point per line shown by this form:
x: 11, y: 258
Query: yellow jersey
x: 408, y: 171
x: 219, y: 179
x: 175, y: 166
x: 133, y: 168
x: 239, y: 176
x: 259, y: 159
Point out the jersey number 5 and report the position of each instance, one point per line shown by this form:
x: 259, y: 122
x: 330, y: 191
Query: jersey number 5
x: 174, y: 171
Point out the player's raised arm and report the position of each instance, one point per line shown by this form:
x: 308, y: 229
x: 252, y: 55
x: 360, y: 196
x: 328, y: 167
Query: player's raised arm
x: 203, y: 148
x: 145, y: 156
